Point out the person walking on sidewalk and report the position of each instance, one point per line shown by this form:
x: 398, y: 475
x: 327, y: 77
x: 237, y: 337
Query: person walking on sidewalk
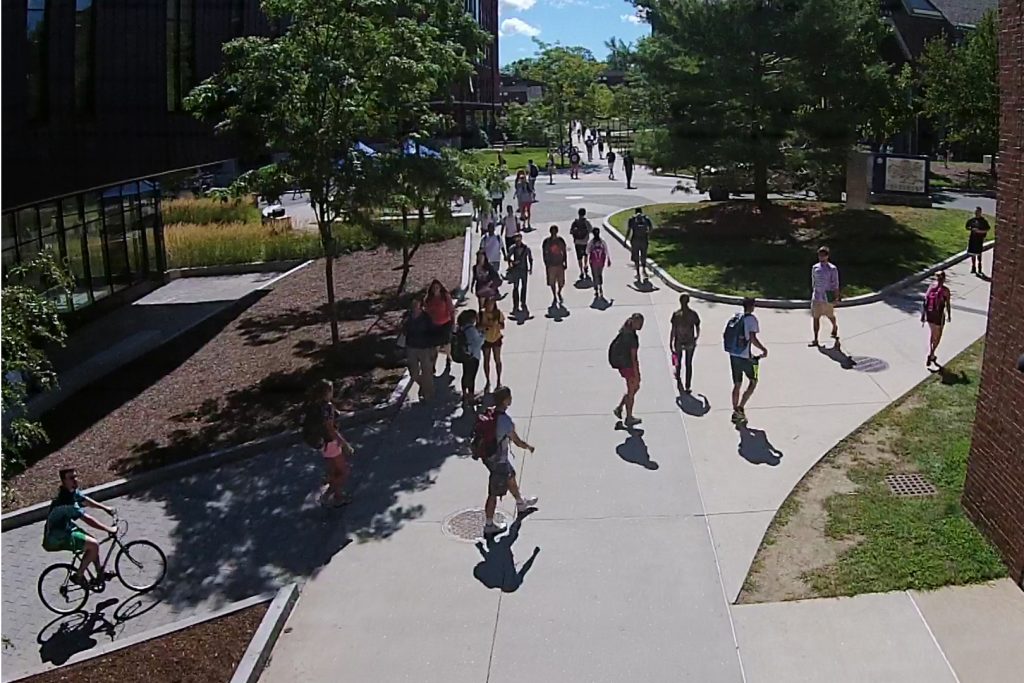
x: 497, y: 195
x: 509, y: 228
x: 937, y: 311
x: 484, y: 279
x: 623, y: 356
x: 555, y: 263
x: 598, y: 257
x: 492, y: 247
x: 492, y: 322
x: 741, y: 334
x: 638, y: 234
x: 682, y: 341
x: 627, y: 166
x: 580, y: 231
x: 600, y: 146
x: 420, y: 348
x: 438, y: 304
x: 611, y: 164
x: 574, y: 163
x: 532, y: 171
x: 336, y: 450
x: 978, y: 228
x: 551, y: 168
x: 824, y: 293
x: 524, y: 198
x: 467, y: 347
x: 520, y: 267
x: 501, y: 478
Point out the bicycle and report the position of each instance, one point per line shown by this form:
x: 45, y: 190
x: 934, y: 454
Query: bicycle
x: 140, y: 566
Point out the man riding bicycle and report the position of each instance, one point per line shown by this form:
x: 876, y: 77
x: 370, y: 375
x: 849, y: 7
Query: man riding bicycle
x: 61, y: 532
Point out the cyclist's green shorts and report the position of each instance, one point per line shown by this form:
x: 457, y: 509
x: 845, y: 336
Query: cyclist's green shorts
x: 74, y: 543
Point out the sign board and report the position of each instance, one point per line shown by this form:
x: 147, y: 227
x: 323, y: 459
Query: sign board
x: 900, y: 174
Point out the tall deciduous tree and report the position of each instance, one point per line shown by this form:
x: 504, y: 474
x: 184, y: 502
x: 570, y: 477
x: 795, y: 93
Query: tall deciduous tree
x: 758, y: 82
x: 340, y: 73
x: 960, y: 86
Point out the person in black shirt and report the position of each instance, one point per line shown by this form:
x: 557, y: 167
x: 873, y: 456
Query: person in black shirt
x: 682, y: 340
x: 420, y: 348
x: 625, y: 348
x: 638, y: 233
x: 520, y: 266
x: 627, y: 166
x: 978, y: 227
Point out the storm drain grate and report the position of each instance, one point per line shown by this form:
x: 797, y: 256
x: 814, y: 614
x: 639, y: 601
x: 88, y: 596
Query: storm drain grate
x: 910, y: 485
x: 468, y: 525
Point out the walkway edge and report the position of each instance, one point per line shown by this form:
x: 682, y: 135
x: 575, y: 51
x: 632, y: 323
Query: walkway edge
x: 467, y: 263
x: 258, y: 653
x: 789, y: 303
x: 160, y: 632
x: 285, y: 267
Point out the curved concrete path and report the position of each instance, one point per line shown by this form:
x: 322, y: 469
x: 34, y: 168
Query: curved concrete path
x: 641, y: 540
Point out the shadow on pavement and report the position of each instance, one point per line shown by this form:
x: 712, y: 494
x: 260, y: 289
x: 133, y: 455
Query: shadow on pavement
x: 497, y: 569
x: 69, y: 634
x: 755, y: 447
x: 836, y: 353
x: 601, y: 304
x: 634, y: 448
x: 557, y: 313
x: 691, y: 405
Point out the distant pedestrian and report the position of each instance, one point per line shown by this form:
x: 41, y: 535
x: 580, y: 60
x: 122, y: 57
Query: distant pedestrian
x: 497, y: 194
x: 824, y: 293
x: 600, y: 146
x: 589, y: 143
x: 491, y: 446
x: 627, y: 166
x: 336, y: 450
x: 574, y: 164
x: 520, y: 267
x: 741, y: 334
x: 979, y: 228
x: 580, y: 231
x: 555, y: 263
x: 682, y: 340
x: 509, y: 227
x: 551, y: 168
x: 611, y: 164
x: 440, y: 307
x: 492, y: 322
x: 484, y: 279
x: 937, y: 311
x: 467, y: 347
x: 638, y: 234
x: 492, y: 246
x: 623, y: 356
x: 420, y: 348
x: 524, y: 197
x: 501, y: 160
x: 532, y: 171
x: 597, y: 256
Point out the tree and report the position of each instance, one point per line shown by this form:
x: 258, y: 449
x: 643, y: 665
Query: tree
x: 620, y: 54
x: 31, y: 324
x: 340, y: 73
x: 756, y: 83
x: 960, y: 86
x: 528, y: 123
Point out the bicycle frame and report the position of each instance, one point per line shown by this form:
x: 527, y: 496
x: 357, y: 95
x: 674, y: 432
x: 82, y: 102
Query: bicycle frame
x: 114, y: 541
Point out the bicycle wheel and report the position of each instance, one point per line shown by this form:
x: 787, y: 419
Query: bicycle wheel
x: 58, y: 592
x: 140, y: 565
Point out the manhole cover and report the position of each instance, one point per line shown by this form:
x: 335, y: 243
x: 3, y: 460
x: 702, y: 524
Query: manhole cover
x: 868, y: 364
x: 468, y: 525
x: 909, y: 485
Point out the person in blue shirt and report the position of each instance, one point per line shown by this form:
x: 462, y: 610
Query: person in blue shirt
x: 62, y: 533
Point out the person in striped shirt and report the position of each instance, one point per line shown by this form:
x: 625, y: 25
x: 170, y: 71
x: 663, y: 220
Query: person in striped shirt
x: 824, y: 293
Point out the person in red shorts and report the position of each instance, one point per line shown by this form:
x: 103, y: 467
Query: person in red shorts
x: 622, y: 355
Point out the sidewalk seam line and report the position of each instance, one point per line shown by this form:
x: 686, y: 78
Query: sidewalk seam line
x: 932, y: 636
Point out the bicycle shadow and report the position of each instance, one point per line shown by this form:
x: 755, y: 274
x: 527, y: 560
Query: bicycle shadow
x: 74, y: 633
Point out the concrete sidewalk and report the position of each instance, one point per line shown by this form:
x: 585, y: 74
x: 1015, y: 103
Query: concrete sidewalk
x: 641, y: 541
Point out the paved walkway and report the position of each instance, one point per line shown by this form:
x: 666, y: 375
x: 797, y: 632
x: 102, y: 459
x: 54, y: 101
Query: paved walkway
x: 629, y: 567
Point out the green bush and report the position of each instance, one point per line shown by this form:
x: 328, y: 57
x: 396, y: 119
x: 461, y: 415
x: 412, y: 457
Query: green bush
x: 205, y: 211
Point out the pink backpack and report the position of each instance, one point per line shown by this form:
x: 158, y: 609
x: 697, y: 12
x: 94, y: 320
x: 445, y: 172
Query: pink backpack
x: 935, y: 299
x: 598, y: 255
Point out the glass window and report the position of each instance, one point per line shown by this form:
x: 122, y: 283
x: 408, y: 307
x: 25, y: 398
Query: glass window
x: 28, y: 233
x: 180, y: 51
x: 85, y: 56
x: 237, y: 17
x: 113, y: 234
x: 77, y: 252
x: 99, y: 279
x: 10, y: 234
x: 37, y: 31
x: 133, y: 230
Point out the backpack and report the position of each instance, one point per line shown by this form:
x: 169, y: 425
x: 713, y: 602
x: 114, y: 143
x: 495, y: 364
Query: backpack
x: 598, y: 255
x: 934, y: 300
x: 460, y: 346
x: 734, y: 339
x: 641, y: 227
x: 618, y: 354
x: 580, y: 228
x: 484, y: 443
x: 313, y: 432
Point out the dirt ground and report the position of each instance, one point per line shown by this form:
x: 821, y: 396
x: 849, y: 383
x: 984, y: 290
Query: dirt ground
x: 206, y: 653
x: 239, y: 378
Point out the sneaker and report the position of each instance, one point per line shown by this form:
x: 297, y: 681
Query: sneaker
x: 526, y: 503
x: 617, y: 412
x: 630, y: 421
x: 79, y: 581
x: 490, y: 528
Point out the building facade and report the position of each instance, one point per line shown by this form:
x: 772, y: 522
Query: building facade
x: 475, y: 104
x: 520, y: 90
x: 994, y: 490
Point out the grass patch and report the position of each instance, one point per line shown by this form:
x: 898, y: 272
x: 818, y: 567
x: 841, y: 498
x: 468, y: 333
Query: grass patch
x: 201, y: 211
x: 516, y: 158
x: 218, y: 244
x: 731, y: 248
x: 913, y: 543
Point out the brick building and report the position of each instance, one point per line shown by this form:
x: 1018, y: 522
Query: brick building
x: 994, y: 492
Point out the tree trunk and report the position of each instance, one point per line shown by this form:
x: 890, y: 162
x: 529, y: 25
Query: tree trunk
x: 332, y: 310
x: 406, y: 255
x: 992, y: 166
x: 761, y: 182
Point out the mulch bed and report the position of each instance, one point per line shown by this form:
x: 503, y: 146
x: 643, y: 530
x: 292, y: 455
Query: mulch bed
x: 206, y: 653
x: 241, y: 376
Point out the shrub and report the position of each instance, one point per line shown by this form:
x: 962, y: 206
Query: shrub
x: 206, y: 210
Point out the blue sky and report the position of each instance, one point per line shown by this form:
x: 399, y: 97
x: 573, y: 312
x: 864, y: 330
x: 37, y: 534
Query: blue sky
x: 570, y: 22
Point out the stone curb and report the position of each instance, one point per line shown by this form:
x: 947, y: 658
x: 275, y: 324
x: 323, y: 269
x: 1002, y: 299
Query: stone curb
x: 467, y: 263
x: 237, y: 269
x: 161, y: 631
x: 258, y: 653
x: 788, y: 303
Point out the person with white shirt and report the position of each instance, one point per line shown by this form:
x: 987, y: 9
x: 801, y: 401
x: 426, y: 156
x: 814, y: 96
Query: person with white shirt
x: 739, y: 337
x: 510, y: 227
x: 824, y: 293
x: 492, y: 247
x: 501, y: 466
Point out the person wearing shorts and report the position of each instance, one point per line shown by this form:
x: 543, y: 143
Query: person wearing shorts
x: 937, y: 311
x: 824, y: 293
x: 492, y: 322
x: 598, y: 258
x: 555, y: 262
x: 574, y: 164
x: 467, y: 323
x: 336, y: 451
x: 978, y: 228
x: 580, y: 232
x: 682, y: 341
x: 743, y: 363
x: 501, y: 478
x: 627, y: 346
x: 638, y: 234
x: 62, y: 533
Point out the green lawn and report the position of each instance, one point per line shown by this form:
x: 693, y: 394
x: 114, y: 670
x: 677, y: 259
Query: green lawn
x: 516, y: 159
x: 730, y: 248
x: 913, y: 543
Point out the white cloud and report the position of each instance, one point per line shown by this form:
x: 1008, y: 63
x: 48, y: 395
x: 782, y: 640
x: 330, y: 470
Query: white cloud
x: 514, y: 26
x: 521, y: 5
x: 637, y: 17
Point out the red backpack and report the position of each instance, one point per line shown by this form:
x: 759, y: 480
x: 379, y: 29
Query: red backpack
x: 935, y: 300
x: 485, y: 435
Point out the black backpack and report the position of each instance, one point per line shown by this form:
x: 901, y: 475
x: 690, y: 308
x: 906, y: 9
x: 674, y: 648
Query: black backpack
x: 313, y: 432
x: 618, y: 354
x: 460, y: 346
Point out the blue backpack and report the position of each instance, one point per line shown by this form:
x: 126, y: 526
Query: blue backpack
x: 734, y: 339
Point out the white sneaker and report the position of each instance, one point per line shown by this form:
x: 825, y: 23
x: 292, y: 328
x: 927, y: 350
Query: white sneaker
x: 526, y: 503
x: 490, y: 528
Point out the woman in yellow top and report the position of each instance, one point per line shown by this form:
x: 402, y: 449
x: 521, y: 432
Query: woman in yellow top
x: 492, y: 322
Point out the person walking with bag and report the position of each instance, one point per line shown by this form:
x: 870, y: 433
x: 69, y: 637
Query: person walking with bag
x: 492, y: 323
x: 524, y: 198
x: 420, y: 337
x: 467, y: 348
x: 438, y: 304
x: 520, y: 267
x: 611, y: 164
x: 598, y: 258
x: 580, y: 231
x: 485, y: 279
x: 824, y: 293
x: 937, y: 311
x: 555, y: 262
x: 739, y: 337
x: 623, y: 356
